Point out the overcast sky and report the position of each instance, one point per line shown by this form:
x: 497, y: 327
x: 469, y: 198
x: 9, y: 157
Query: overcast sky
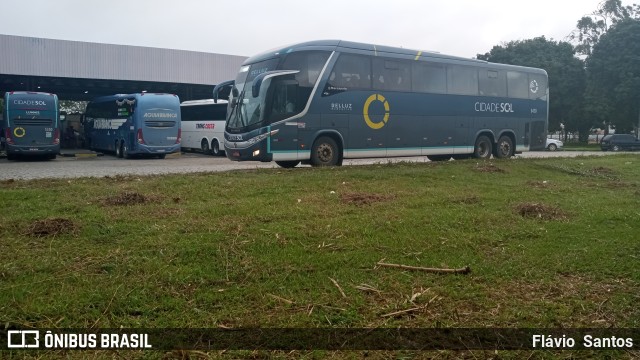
x: 236, y: 27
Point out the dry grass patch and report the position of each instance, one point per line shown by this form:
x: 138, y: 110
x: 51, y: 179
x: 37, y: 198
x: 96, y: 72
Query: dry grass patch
x: 540, y: 211
x: 51, y: 227
x: 362, y: 199
x: 488, y: 168
x: 128, y: 198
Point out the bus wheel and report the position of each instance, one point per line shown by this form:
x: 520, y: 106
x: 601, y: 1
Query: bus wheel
x: 215, y: 148
x: 288, y: 164
x: 119, y: 146
x: 504, y: 148
x: 125, y: 151
x: 162, y: 156
x: 324, y: 152
x: 11, y: 156
x: 482, y: 149
x: 204, y: 145
x: 439, y: 157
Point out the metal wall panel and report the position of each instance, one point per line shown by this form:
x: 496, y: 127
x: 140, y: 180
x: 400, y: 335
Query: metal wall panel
x: 72, y: 59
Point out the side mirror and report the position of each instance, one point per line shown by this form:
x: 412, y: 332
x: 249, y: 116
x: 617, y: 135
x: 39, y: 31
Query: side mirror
x: 222, y: 90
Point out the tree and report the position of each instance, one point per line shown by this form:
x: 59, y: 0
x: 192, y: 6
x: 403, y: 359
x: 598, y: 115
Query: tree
x: 73, y: 107
x: 592, y: 26
x: 613, y: 85
x: 566, y: 77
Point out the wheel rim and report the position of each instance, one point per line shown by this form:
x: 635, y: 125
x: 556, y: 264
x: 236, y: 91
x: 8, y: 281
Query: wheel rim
x: 505, y: 148
x: 552, y: 147
x: 325, y: 153
x: 483, y: 149
x: 216, y: 148
x: 205, y: 147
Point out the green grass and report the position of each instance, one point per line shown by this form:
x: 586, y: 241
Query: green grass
x: 259, y: 248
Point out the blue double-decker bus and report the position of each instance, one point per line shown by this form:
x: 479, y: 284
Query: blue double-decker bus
x: 31, y: 124
x: 144, y: 124
x: 323, y: 101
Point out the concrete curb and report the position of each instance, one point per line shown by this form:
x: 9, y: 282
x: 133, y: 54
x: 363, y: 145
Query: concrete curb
x: 81, y: 155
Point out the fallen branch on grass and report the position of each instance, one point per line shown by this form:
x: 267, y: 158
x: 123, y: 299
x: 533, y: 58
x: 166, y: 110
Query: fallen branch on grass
x: 402, y: 312
x: 339, y: 288
x: 464, y: 270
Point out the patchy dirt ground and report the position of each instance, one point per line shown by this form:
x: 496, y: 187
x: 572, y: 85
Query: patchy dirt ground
x: 488, y: 168
x: 128, y: 198
x: 361, y: 199
x: 540, y: 211
x: 51, y: 227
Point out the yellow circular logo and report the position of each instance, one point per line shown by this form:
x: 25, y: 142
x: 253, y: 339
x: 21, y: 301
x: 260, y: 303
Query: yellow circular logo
x: 365, y: 111
x: 19, y: 132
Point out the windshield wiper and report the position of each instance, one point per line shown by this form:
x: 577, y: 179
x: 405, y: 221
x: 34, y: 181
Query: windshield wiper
x: 237, y: 113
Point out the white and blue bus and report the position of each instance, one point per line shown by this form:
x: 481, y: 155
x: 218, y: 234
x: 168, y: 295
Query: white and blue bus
x: 143, y: 124
x: 31, y: 124
x: 203, y: 125
x: 323, y: 101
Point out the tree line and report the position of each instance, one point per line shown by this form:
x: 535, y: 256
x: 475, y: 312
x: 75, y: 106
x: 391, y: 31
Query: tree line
x: 594, y: 76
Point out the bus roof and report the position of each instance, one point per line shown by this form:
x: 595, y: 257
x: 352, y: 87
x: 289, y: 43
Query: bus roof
x: 127, y: 96
x: 379, y: 50
x: 29, y: 93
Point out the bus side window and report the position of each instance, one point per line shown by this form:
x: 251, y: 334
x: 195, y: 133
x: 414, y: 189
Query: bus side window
x: 429, y: 77
x: 462, y: 80
x: 391, y: 75
x: 537, y: 87
x: 493, y: 83
x: 285, y: 100
x: 517, y: 85
x: 351, y: 72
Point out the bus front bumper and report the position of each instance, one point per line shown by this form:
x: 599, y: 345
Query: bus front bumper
x: 255, y: 152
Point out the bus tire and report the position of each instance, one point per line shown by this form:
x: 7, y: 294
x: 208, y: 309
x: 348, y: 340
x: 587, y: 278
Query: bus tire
x: 482, y: 148
x: 215, y: 148
x: 439, y: 157
x: 11, y: 156
x: 162, y: 156
x: 119, y: 145
x: 504, y: 148
x: 125, y: 151
x: 204, y: 146
x: 288, y: 164
x: 325, y: 152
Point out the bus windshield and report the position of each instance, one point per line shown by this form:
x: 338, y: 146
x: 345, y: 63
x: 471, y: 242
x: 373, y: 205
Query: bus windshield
x: 245, y: 110
x: 281, y: 96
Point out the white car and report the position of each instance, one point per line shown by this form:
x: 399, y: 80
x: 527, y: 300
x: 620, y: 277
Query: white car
x: 553, y: 144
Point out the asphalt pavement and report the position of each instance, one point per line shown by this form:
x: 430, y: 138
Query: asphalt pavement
x: 87, y: 164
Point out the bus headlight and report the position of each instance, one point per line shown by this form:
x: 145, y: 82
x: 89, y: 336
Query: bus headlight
x: 256, y: 153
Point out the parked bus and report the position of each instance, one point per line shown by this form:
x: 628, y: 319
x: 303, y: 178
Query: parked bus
x: 203, y: 125
x: 323, y: 101
x: 135, y: 124
x: 31, y: 124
